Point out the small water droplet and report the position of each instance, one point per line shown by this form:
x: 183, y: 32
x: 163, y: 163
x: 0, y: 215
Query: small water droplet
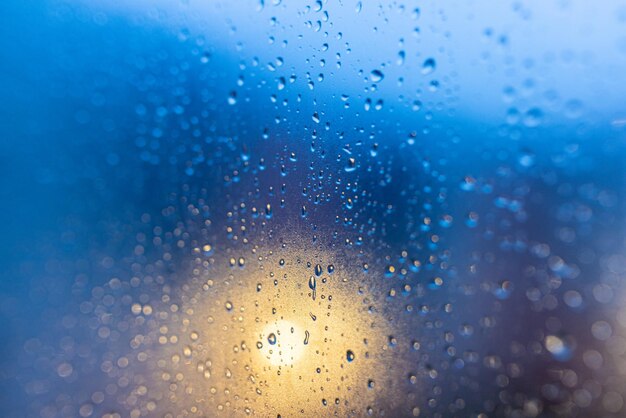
x: 526, y: 158
x: 351, y: 165
x: 428, y: 66
x: 65, y: 369
x: 573, y: 109
x: 557, y: 347
x: 533, y: 117
x: 401, y: 57
x: 268, y: 211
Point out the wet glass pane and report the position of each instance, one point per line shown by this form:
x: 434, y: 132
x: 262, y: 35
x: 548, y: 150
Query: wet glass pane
x: 313, y: 208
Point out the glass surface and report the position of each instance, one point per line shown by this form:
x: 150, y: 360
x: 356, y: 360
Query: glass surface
x: 312, y: 208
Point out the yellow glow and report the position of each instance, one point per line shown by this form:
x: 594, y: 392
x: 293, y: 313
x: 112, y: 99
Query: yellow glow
x: 282, y: 343
x: 224, y: 361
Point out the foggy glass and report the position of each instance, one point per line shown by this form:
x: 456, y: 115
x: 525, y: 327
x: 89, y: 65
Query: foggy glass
x: 312, y: 208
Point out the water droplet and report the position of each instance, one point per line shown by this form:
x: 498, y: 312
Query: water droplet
x: 281, y: 83
x: 503, y: 290
x: 446, y: 221
x: 271, y: 338
x: 350, y: 356
x: 557, y: 347
x: 313, y: 286
x: 65, y: 369
x: 351, y: 166
x: 401, y: 57
x: 533, y: 117
x: 573, y: 108
x: 376, y: 76
x: 318, y: 270
x: 573, y: 299
x: 392, y: 341
x: 268, y: 211
x: 428, y: 66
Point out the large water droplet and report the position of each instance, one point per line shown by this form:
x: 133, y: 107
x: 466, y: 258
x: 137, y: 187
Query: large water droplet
x: 376, y: 76
x: 313, y: 286
x: 318, y: 270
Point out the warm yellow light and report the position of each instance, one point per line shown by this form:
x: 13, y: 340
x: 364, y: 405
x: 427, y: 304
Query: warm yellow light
x: 282, y: 343
x: 291, y: 331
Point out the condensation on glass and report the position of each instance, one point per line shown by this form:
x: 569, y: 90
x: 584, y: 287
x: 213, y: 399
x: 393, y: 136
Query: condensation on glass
x: 316, y: 208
